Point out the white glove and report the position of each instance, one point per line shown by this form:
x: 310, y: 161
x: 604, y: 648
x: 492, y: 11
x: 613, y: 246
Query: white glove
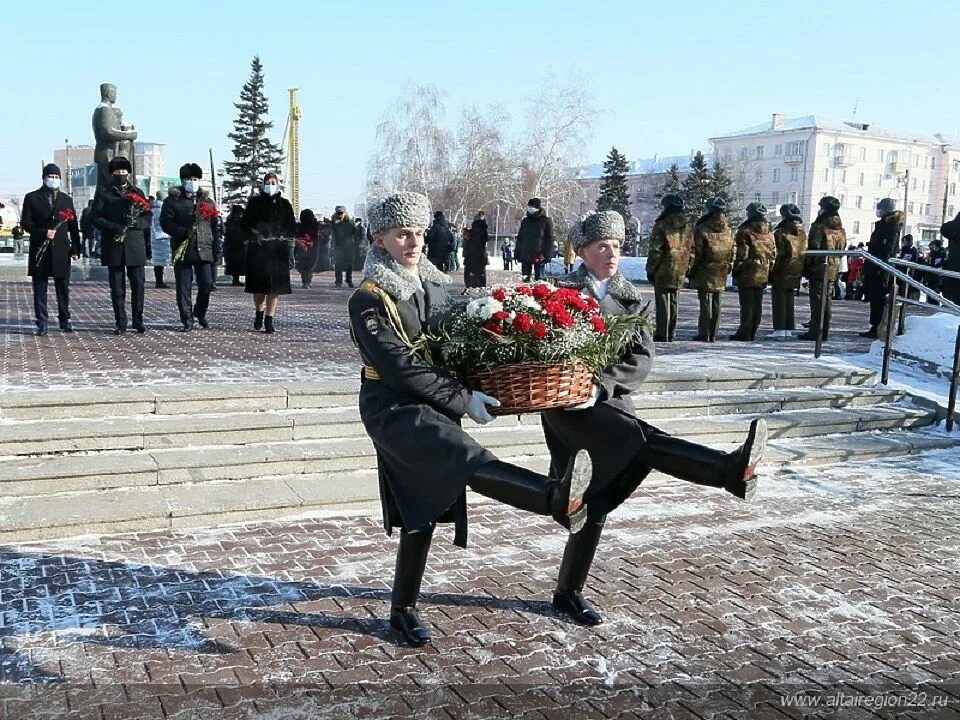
x: 589, y: 403
x: 477, y: 407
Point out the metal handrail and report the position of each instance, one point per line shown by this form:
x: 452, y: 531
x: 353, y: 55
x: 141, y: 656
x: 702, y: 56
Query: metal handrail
x: 893, y: 273
x: 925, y: 268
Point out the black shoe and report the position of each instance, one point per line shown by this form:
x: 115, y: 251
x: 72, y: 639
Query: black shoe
x: 258, y: 320
x: 66, y: 327
x: 186, y: 327
x: 268, y: 325
x: 740, y: 338
x: 236, y: 283
x: 42, y: 330
x: 338, y: 284
x: 574, y: 604
x: 808, y: 336
x: 659, y: 338
x: 119, y: 330
x: 871, y: 333
x: 213, y: 288
x: 138, y: 326
x: 202, y: 322
x: 349, y: 283
x: 162, y: 286
x: 700, y: 338
x: 407, y: 622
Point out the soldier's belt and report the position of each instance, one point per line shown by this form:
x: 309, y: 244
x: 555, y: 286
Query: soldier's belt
x: 369, y: 373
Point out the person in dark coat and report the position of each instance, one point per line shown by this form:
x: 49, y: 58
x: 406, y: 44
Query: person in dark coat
x: 50, y: 218
x: 324, y: 234
x: 412, y: 411
x: 343, y: 236
x: 475, y: 258
x: 305, y: 252
x: 439, y: 241
x: 360, y: 245
x: 235, y: 245
x: 271, y: 228
x: 535, y: 242
x: 125, y: 241
x: 950, y: 287
x: 936, y: 259
x: 193, y: 223
x: 87, y: 231
x: 882, y: 245
x: 506, y: 252
x: 624, y: 449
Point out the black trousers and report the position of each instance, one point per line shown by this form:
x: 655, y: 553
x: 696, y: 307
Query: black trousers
x: 338, y: 275
x: 118, y: 293
x: 878, y: 287
x: 783, y: 308
x: 667, y: 302
x: 184, y: 275
x: 818, y: 296
x: 709, y: 321
x: 751, y: 311
x: 62, y: 286
x: 536, y: 269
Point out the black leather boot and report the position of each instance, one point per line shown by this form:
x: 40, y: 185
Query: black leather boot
x: 574, y: 568
x: 258, y: 320
x: 734, y: 471
x: 411, y: 562
x: 268, y: 325
x: 526, y: 490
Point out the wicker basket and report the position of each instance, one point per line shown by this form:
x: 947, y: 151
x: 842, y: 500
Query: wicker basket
x: 532, y: 387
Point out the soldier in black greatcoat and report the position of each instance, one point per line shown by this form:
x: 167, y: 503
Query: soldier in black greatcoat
x: 412, y: 411
x: 125, y: 242
x: 50, y: 218
x: 625, y: 449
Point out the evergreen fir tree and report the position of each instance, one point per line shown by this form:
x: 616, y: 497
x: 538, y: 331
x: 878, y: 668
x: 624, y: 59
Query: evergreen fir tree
x: 672, y: 182
x: 254, y: 155
x: 614, y: 193
x: 721, y: 186
x: 697, y: 187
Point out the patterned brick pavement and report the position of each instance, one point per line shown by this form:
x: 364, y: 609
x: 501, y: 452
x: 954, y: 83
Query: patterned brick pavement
x: 313, y: 337
x: 837, y: 584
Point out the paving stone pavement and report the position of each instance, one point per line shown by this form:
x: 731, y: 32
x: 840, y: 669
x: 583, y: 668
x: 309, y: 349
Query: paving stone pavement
x: 312, y: 338
x: 839, y: 585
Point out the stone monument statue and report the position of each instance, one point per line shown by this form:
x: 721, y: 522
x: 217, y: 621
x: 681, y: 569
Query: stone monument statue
x: 112, y: 136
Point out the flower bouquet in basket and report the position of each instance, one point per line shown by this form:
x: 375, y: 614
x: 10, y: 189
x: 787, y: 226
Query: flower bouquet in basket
x: 533, y: 347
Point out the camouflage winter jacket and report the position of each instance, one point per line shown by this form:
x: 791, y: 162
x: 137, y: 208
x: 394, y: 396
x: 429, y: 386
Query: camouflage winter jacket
x: 671, y: 250
x: 791, y: 249
x: 826, y: 233
x: 713, y: 253
x: 756, y: 254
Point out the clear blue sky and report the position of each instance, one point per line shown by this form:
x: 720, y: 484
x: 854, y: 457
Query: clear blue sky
x: 667, y: 75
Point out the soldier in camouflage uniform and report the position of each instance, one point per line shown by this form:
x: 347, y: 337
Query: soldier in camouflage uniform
x: 787, y: 271
x: 712, y: 262
x: 826, y: 233
x: 756, y: 254
x: 671, y: 250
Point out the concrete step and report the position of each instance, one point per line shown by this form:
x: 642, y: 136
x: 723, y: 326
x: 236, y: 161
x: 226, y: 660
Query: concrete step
x: 231, y: 398
x: 41, y: 474
x: 151, y: 432
x: 251, y: 498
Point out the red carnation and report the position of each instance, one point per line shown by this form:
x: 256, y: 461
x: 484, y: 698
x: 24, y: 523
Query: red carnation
x: 541, y: 292
x: 208, y: 212
x: 67, y: 215
x: 499, y: 294
x: 523, y: 290
x: 500, y: 315
x: 539, y: 331
x: 522, y: 323
x: 599, y: 326
x: 493, y: 326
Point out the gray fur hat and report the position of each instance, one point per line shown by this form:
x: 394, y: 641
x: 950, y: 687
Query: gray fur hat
x: 887, y: 205
x: 402, y: 209
x: 605, y: 225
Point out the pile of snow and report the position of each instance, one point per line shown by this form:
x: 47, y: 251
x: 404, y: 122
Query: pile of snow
x: 928, y: 339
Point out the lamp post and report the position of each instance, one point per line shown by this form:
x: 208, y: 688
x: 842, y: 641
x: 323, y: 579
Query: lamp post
x: 69, y: 183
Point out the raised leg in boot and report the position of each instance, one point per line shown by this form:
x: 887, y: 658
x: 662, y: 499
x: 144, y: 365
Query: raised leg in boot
x: 411, y: 562
x: 574, y: 568
x: 735, y: 472
x: 526, y: 490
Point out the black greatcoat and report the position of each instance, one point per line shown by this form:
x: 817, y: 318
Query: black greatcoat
x: 41, y: 212
x: 412, y: 412
x: 272, y: 227
x: 120, y: 246
x: 177, y: 218
x: 534, y: 237
x: 610, y: 430
x: 235, y: 245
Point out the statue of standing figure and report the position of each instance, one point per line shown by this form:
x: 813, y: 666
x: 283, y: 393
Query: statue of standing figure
x: 112, y: 136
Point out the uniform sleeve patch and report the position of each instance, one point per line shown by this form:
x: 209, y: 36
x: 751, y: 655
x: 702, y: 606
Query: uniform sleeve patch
x: 371, y: 321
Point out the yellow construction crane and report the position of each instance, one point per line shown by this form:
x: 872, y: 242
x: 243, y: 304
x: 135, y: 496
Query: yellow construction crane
x: 291, y: 144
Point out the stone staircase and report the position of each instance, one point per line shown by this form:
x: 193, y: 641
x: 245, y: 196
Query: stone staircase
x: 136, y: 458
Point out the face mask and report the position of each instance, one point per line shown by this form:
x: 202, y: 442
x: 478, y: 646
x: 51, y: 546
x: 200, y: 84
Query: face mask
x: 531, y: 210
x: 52, y: 182
x: 271, y: 189
x: 119, y: 180
x: 191, y: 186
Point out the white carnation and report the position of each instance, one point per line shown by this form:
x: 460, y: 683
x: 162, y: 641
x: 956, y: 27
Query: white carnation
x: 483, y: 308
x: 528, y: 302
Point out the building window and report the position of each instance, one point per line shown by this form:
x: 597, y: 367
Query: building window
x: 794, y: 174
x: 777, y: 150
x: 859, y: 202
x: 914, y: 184
x: 879, y: 179
x: 744, y: 153
x: 910, y: 208
x: 953, y: 188
x: 862, y: 178
x: 842, y: 199
x: 826, y: 175
x: 793, y: 198
x: 776, y: 175
x: 759, y: 176
x: 759, y: 152
x: 876, y: 201
x: 775, y: 197
x: 950, y: 211
x: 863, y: 153
x: 933, y: 163
x: 879, y: 156
x: 916, y: 162
x: 727, y: 156
x: 756, y: 197
x: 843, y: 176
x: 928, y: 209
x: 856, y: 227
x: 826, y: 149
